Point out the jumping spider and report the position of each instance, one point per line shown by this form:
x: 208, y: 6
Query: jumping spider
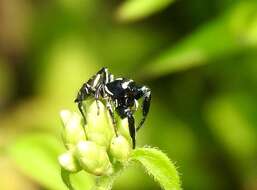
x: 119, y: 94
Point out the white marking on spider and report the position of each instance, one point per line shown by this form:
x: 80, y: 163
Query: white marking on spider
x: 107, y: 90
x: 125, y: 84
x: 143, y: 88
x: 136, y: 104
x: 111, y: 78
x: 96, y: 80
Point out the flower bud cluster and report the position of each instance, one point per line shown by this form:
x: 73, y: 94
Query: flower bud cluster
x: 94, y: 147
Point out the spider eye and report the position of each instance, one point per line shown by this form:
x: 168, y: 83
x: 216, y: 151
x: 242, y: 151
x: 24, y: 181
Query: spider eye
x: 129, y: 101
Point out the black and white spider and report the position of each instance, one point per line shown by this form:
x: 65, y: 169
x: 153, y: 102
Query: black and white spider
x: 119, y: 94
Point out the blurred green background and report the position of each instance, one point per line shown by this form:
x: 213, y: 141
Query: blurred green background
x: 198, y: 57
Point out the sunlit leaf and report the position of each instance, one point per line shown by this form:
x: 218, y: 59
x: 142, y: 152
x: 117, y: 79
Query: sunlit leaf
x: 132, y: 10
x: 158, y: 165
x: 225, y: 35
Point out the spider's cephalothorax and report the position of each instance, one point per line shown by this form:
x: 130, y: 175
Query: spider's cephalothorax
x: 119, y: 94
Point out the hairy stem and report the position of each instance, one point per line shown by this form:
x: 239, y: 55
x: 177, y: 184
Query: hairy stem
x: 106, y: 182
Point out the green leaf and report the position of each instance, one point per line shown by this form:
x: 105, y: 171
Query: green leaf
x: 132, y: 10
x: 230, y: 33
x: 36, y: 155
x: 159, y: 166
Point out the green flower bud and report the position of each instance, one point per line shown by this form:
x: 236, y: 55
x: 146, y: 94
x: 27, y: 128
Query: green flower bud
x: 120, y: 148
x: 73, y: 129
x: 123, y: 129
x: 99, y: 125
x: 65, y: 116
x: 93, y: 158
x: 68, y: 162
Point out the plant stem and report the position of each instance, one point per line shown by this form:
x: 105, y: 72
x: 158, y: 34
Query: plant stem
x: 106, y: 182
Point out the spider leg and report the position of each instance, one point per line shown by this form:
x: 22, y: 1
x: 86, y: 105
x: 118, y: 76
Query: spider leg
x: 105, y: 75
x: 125, y: 112
x: 82, y: 95
x: 95, y: 87
x: 98, y: 107
x: 97, y: 94
x: 145, y: 105
x: 99, y: 79
x: 82, y: 110
x: 110, y: 110
x: 98, y: 83
x: 105, y: 78
x: 135, y: 107
x: 132, y: 129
